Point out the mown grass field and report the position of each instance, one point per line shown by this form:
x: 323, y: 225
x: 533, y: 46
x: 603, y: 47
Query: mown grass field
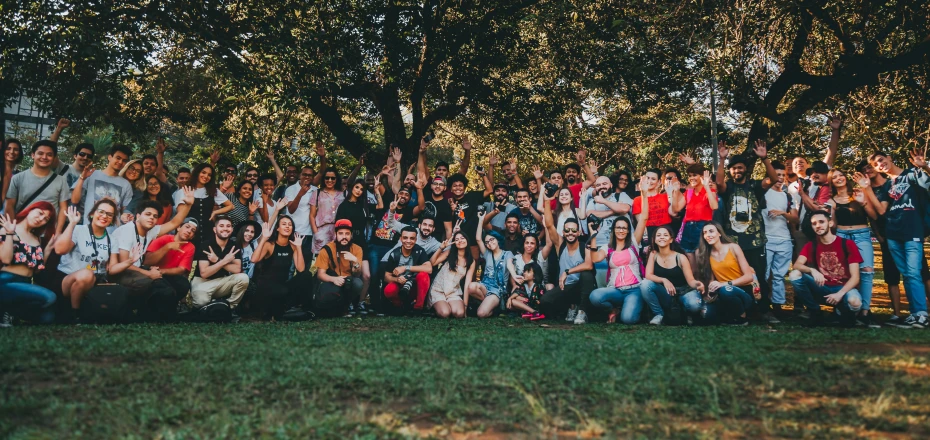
x: 502, y: 378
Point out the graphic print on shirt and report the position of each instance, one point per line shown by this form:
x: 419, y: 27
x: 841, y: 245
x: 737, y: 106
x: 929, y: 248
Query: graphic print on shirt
x: 740, y: 204
x: 430, y: 210
x: 831, y: 266
x: 105, y: 190
x: 896, y: 192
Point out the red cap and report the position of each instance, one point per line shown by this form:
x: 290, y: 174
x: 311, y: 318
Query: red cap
x: 343, y: 224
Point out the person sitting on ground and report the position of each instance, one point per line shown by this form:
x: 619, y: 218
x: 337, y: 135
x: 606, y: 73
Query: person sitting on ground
x: 21, y: 256
x: 530, y: 253
x: 527, y: 296
x: 495, y: 278
x: 455, y: 266
x: 726, y: 273
x: 219, y: 269
x: 284, y: 283
x: 339, y: 269
x: 669, y: 278
x: 405, y: 269
x: 173, y: 257
x: 621, y: 294
x: 833, y: 278
x: 88, y: 253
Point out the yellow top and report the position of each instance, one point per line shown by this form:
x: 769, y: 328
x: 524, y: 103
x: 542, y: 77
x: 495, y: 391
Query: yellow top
x: 726, y: 270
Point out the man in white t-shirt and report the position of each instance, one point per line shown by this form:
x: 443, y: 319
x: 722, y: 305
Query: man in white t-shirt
x: 299, y: 196
x: 602, y: 202
x: 779, y: 212
x: 140, y: 279
x: 94, y: 185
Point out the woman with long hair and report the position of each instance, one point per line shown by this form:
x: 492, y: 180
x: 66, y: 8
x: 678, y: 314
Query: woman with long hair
x: 669, y: 278
x: 495, y: 277
x: 726, y: 273
x: 206, y: 198
x: 132, y: 172
x: 22, y: 256
x: 564, y: 210
x: 244, y: 206
x: 531, y: 253
x: 851, y: 213
x: 153, y: 192
x: 12, y: 155
x: 622, y: 291
x: 457, y: 265
x: 279, y: 250
x: 87, y: 251
x: 323, y: 207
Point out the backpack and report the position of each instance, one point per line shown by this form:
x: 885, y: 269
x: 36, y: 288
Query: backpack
x: 217, y: 310
x: 162, y: 304
x: 106, y: 304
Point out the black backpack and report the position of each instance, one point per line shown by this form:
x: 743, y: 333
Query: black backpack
x: 162, y: 304
x: 106, y: 304
x: 217, y: 310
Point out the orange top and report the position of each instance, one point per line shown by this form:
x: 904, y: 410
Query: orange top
x: 726, y: 270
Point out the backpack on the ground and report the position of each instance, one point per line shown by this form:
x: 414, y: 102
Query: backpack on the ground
x: 217, y: 310
x: 162, y: 304
x: 106, y: 304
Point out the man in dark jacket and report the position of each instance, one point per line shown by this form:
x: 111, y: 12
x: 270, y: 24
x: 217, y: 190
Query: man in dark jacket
x: 407, y: 268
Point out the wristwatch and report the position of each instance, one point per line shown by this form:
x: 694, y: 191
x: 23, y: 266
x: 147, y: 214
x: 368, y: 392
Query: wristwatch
x: 730, y: 283
x: 566, y: 272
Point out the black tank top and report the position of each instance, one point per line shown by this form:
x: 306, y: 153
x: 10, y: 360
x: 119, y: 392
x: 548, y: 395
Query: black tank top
x: 850, y: 214
x: 278, y: 265
x: 675, y: 275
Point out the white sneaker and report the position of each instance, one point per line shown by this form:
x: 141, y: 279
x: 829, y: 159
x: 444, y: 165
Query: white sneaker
x: 656, y: 320
x: 581, y: 317
x: 572, y: 313
x: 6, y: 320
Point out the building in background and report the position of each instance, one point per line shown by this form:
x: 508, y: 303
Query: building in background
x: 22, y: 119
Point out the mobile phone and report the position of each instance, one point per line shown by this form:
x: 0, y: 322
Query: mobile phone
x: 429, y: 137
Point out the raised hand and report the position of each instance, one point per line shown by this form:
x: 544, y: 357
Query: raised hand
x: 835, y: 122
x: 705, y: 180
x: 160, y: 146
x: 320, y: 150
x: 73, y: 215
x: 253, y: 206
x: 8, y: 224
x: 592, y: 165
x: 458, y: 226
x: 211, y: 256
x: 493, y: 159
x: 393, y: 206
x: 63, y: 123
x: 862, y: 180
x: 423, y: 145
x: 88, y: 170
x: 686, y: 159
x: 228, y: 181
x: 513, y: 163
x: 231, y: 255
x: 126, y: 217
x: 136, y: 252
x: 722, y: 150
x: 270, y: 154
x: 859, y: 196
x: 215, y: 156
x: 396, y: 154
x: 918, y: 158
x: 445, y: 244
x: 537, y: 172
x: 580, y: 156
x: 760, y: 149
x: 267, y: 230
x: 297, y: 240
x: 466, y: 144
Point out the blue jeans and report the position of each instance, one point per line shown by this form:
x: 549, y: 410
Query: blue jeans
x: 732, y: 303
x: 863, y: 239
x: 657, y: 298
x: 19, y: 296
x: 907, y: 256
x: 778, y: 258
x: 600, y: 275
x: 813, y: 295
x: 627, y: 299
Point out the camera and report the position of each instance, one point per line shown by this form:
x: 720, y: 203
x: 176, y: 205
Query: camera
x: 742, y: 216
x: 594, y: 222
x: 479, y: 169
x: 551, y: 189
x: 429, y: 137
x: 482, y: 209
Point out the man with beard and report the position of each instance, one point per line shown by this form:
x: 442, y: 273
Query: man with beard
x: 605, y: 204
x: 141, y: 279
x: 498, y: 208
x: 511, y: 177
x: 465, y: 205
x: 437, y: 207
x: 530, y: 220
x: 406, y: 268
x: 904, y: 208
x: 291, y: 174
x: 833, y: 277
x: 572, y: 269
x: 424, y: 239
x: 813, y: 199
x: 173, y: 256
x: 744, y: 202
x: 339, y: 269
x: 219, y: 269
x: 572, y: 178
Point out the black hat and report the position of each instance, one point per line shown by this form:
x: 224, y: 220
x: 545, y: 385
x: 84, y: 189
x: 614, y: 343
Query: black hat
x: 819, y: 167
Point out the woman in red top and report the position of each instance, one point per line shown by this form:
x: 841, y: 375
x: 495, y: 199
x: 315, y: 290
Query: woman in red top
x: 660, y: 208
x: 699, y: 208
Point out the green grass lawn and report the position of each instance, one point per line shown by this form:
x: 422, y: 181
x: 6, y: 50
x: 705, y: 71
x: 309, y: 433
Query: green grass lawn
x: 502, y: 378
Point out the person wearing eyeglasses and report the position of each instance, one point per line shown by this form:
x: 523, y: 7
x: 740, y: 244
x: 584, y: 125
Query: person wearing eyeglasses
x: 95, y: 185
x: 83, y: 156
x: 88, y: 253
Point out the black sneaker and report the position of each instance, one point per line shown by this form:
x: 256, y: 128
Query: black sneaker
x: 911, y: 322
x: 362, y: 309
x: 922, y: 322
x: 235, y: 316
x: 866, y: 321
x: 351, y: 312
x: 894, y: 321
x: 739, y: 322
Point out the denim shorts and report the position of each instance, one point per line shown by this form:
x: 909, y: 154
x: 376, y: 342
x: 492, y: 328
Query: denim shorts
x: 690, y: 235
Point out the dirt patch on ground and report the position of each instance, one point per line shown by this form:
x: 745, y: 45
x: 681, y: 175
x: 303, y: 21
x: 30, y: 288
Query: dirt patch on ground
x: 876, y: 348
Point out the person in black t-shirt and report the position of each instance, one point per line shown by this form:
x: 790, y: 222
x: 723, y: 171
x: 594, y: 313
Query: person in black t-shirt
x: 465, y: 205
x: 437, y: 207
x: 219, y: 269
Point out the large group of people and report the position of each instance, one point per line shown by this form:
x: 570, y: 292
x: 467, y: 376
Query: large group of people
x: 714, y: 247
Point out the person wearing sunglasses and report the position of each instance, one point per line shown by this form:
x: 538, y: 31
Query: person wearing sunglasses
x: 323, y: 207
x: 574, y: 279
x: 83, y: 156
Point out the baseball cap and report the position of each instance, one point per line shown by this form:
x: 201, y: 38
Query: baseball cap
x: 343, y: 224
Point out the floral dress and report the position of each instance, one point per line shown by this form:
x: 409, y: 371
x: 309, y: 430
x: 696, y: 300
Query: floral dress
x: 326, y: 206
